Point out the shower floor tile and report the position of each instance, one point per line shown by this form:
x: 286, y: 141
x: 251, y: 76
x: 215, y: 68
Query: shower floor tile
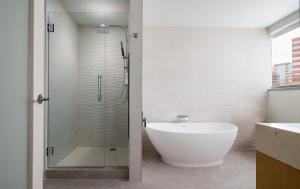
x: 95, y: 157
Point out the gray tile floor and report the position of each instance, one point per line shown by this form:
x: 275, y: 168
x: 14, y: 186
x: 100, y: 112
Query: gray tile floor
x: 237, y: 172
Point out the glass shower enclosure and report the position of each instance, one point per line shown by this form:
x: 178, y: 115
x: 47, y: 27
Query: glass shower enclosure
x: 87, y: 83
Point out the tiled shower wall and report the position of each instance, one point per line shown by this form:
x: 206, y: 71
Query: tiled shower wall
x: 101, y: 122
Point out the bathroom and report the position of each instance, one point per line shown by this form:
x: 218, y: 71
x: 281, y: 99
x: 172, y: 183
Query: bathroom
x: 149, y: 94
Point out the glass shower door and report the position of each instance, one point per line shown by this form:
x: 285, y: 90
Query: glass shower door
x: 76, y: 134
x: 88, y: 91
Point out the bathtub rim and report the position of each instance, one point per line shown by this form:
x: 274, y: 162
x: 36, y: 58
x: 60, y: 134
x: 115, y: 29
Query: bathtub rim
x: 234, y: 128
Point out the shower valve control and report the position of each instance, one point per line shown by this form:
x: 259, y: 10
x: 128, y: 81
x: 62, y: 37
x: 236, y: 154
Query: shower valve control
x: 40, y: 99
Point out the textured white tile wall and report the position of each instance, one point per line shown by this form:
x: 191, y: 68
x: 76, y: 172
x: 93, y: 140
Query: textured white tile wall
x: 212, y: 74
x: 105, y: 122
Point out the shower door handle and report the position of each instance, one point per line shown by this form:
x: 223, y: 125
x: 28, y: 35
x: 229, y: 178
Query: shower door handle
x: 100, y: 87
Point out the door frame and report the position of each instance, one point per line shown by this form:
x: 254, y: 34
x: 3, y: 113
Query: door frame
x: 36, y: 86
x: 37, y: 73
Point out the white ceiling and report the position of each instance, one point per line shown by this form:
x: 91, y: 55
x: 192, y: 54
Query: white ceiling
x: 96, y: 5
x: 96, y: 19
x: 217, y: 13
x: 96, y: 12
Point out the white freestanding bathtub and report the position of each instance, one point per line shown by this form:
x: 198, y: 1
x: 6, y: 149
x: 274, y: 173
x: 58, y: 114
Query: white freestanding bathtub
x: 192, y: 144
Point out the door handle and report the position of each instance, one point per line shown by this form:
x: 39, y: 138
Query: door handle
x: 100, y: 87
x: 40, y: 99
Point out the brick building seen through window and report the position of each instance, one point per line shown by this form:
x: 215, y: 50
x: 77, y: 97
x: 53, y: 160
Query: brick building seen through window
x: 286, y: 59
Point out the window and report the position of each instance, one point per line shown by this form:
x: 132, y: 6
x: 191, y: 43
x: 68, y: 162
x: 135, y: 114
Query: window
x: 286, y: 59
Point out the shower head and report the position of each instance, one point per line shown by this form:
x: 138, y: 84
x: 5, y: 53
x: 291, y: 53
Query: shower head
x: 108, y: 27
x: 103, y: 28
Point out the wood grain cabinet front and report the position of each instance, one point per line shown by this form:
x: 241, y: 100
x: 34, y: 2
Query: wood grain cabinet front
x: 273, y: 174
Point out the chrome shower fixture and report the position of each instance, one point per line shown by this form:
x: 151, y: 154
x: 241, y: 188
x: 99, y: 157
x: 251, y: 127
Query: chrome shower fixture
x: 104, y: 28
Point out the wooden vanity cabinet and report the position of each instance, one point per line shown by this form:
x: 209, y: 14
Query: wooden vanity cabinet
x: 273, y: 174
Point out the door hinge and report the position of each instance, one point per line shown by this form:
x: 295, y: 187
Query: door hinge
x: 50, y: 27
x: 50, y: 151
x: 134, y: 35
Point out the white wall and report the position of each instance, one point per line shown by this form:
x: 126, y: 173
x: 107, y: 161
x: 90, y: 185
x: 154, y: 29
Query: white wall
x: 216, y: 13
x: 63, y: 82
x: 284, y: 106
x: 212, y: 74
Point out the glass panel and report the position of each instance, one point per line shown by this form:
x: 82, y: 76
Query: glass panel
x: 100, y: 53
x: 75, y: 114
x: 116, y: 98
